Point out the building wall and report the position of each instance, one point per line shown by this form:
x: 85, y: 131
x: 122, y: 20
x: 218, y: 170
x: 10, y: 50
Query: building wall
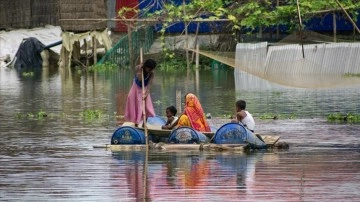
x: 71, y: 10
x: 16, y: 14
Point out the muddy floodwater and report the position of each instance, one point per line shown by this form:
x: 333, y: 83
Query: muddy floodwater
x: 52, y: 158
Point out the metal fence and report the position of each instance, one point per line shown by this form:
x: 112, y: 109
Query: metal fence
x: 120, y: 52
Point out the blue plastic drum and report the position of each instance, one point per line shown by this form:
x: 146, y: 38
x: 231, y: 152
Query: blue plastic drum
x: 128, y: 135
x: 186, y: 135
x: 231, y: 133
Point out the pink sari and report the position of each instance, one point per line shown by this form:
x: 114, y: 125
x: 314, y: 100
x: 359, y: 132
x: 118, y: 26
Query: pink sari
x: 133, y: 109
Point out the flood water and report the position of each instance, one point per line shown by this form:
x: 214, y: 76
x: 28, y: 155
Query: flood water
x: 52, y: 158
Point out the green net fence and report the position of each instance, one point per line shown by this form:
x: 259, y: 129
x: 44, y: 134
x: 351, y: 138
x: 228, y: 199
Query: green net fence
x: 120, y: 52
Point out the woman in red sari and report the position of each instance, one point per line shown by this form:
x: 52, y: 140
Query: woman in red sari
x: 193, y: 115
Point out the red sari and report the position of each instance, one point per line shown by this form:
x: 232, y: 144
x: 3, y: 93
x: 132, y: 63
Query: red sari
x: 194, y: 115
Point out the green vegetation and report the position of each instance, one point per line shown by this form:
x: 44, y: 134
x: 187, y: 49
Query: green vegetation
x: 89, y: 114
x: 351, y: 75
x: 158, y: 102
x: 106, y: 67
x: 277, y: 116
x: 248, y: 14
x: 343, y: 118
x: 173, y: 64
x: 27, y: 74
x: 32, y: 115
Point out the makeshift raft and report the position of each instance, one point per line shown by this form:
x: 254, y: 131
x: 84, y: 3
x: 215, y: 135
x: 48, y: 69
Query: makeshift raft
x: 229, y: 137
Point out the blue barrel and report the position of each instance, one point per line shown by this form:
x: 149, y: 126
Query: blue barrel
x: 186, y: 135
x: 231, y: 133
x: 235, y: 133
x: 254, y: 141
x: 128, y: 135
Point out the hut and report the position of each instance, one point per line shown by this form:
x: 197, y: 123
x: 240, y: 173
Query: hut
x: 84, y: 28
x: 15, y: 14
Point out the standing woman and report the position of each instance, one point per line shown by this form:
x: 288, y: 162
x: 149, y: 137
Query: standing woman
x: 133, y: 109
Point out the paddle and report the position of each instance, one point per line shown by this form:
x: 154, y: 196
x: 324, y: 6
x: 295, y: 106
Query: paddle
x: 143, y: 99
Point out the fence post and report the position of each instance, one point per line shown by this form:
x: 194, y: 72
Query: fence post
x: 178, y: 100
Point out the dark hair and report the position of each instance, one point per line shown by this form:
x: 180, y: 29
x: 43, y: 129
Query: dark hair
x: 150, y: 63
x: 241, y: 104
x: 172, y: 109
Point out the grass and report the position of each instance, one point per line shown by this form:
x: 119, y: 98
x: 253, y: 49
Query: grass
x: 27, y: 74
x: 89, y: 114
x: 41, y: 114
x: 343, y: 118
x: 351, y: 75
x: 267, y: 116
x: 106, y: 67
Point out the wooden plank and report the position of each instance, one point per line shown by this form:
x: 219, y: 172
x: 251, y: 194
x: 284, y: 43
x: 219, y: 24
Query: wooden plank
x: 128, y: 124
x: 176, y: 147
x: 120, y: 147
x: 156, y: 130
x: 270, y: 139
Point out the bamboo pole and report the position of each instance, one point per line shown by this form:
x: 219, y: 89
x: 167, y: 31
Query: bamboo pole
x: 186, y: 37
x: 178, y: 100
x: 300, y: 28
x: 197, y: 73
x: 277, y: 26
x: 197, y: 57
x: 143, y: 99
x: 334, y: 25
x: 94, y: 49
x: 144, y: 20
x: 158, y: 20
x: 347, y: 14
x: 195, y: 41
x: 86, y: 53
x: 131, y: 55
x: 145, y: 169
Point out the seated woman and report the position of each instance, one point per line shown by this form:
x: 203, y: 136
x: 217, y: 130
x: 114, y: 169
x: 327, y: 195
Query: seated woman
x: 193, y: 115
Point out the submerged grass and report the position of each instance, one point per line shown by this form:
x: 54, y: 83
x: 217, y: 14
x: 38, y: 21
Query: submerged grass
x: 90, y: 114
x: 278, y: 116
x: 27, y: 74
x: 351, y: 75
x: 41, y: 114
x: 343, y: 118
x: 106, y: 67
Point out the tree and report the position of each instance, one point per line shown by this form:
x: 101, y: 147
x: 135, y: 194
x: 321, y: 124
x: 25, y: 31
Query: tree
x: 246, y: 14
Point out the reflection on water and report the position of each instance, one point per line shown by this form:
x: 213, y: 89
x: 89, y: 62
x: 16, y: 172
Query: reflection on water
x: 53, y: 158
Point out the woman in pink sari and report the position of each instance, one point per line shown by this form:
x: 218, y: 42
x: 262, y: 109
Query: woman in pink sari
x: 133, y: 109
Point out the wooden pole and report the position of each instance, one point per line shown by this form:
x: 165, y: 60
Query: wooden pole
x: 131, y: 58
x: 154, y: 20
x: 178, y: 100
x: 195, y: 42
x: 143, y: 99
x: 300, y: 28
x: 86, y: 53
x: 186, y: 38
x: 277, y: 26
x: 197, y: 56
x: 334, y: 25
x: 347, y: 14
x: 145, y: 169
x: 94, y: 49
